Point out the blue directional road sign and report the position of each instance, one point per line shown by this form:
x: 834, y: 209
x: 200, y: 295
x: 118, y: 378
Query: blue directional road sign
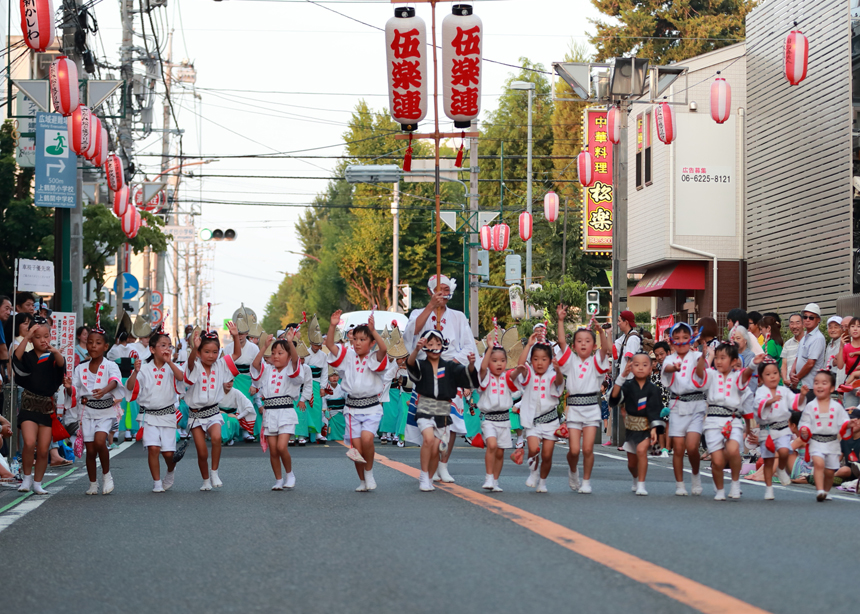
x: 56, y: 163
x: 130, y: 286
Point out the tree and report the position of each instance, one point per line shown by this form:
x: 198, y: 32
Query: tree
x: 665, y: 31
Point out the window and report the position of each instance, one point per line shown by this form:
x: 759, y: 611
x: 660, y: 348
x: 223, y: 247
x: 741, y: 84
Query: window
x: 647, y: 164
x: 639, y: 185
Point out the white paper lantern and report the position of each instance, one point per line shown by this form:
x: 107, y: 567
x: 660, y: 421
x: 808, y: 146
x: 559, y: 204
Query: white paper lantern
x: 525, y: 225
x: 721, y: 100
x: 462, y: 41
x: 666, y: 127
x: 585, y: 169
x: 796, y: 56
x: 406, y: 65
x: 550, y: 206
x: 613, y: 125
x: 65, y: 94
x: 37, y: 23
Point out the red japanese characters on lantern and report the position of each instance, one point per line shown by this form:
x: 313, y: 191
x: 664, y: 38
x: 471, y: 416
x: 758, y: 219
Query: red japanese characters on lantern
x: 37, y: 23
x: 95, y: 139
x: 130, y: 222
x: 462, y: 36
x: 120, y: 201
x: 613, y: 125
x: 64, y: 85
x: 501, y: 237
x: 796, y: 56
x: 486, y: 237
x: 102, y: 155
x: 406, y: 53
x: 721, y: 100
x: 80, y: 127
x: 114, y: 172
x: 525, y: 226
x: 585, y: 169
x: 665, y: 118
x: 550, y: 206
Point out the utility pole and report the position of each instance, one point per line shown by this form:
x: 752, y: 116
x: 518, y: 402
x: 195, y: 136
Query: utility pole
x: 619, y: 245
x: 126, y: 143
x: 473, y: 237
x: 395, y: 255
x: 165, y: 164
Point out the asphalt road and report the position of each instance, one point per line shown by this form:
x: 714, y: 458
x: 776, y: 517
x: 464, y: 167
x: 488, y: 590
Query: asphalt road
x: 323, y: 547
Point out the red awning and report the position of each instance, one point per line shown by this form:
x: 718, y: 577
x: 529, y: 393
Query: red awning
x: 678, y: 276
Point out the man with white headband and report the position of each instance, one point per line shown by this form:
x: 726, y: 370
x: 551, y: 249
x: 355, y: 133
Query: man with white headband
x: 459, y: 341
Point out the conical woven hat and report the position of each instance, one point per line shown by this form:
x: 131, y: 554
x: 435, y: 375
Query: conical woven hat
x: 314, y: 332
x: 396, y: 345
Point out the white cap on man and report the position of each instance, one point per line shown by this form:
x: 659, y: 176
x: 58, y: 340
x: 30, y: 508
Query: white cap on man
x: 834, y: 320
x: 813, y: 308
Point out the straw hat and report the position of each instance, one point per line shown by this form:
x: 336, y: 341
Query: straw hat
x: 142, y: 327
x: 123, y: 326
x: 313, y: 332
x: 396, y: 345
x: 243, y: 318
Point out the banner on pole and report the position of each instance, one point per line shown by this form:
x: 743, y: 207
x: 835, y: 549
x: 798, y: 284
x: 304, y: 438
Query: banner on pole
x: 598, y: 200
x: 63, y: 337
x: 36, y: 276
x: 664, y: 324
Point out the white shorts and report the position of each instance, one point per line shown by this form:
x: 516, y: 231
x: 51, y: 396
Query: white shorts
x: 630, y: 448
x: 680, y: 425
x: 281, y: 422
x: 831, y: 460
x: 163, y: 437
x: 544, y: 431
x: 715, y: 441
x: 783, y: 441
x: 91, y: 426
x: 500, y: 430
x: 206, y: 423
x: 579, y: 425
x: 356, y: 424
x: 587, y: 415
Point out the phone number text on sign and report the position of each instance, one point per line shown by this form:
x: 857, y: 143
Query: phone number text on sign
x: 707, y: 178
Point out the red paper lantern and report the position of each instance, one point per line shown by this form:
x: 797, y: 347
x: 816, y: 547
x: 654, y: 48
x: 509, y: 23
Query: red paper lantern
x: 525, y: 226
x: 406, y: 52
x: 550, y: 206
x: 462, y: 40
x: 102, y: 155
x: 120, y: 201
x: 613, y: 125
x: 115, y: 173
x: 80, y: 125
x: 721, y: 100
x: 95, y: 139
x: 486, y: 237
x: 585, y: 168
x: 501, y: 237
x: 796, y: 56
x: 130, y: 222
x: 37, y: 23
x: 665, y: 117
x: 64, y: 85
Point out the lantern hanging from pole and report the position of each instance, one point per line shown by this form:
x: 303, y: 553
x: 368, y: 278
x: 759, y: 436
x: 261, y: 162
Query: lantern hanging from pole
x: 585, y: 168
x: 796, y: 56
x: 550, y: 206
x: 666, y: 128
x: 406, y: 55
x: 613, y: 125
x: 37, y: 24
x: 525, y: 226
x: 462, y: 42
x: 80, y: 124
x: 721, y: 100
x: 115, y: 173
x: 501, y: 237
x: 64, y: 85
x: 486, y: 237
x: 120, y: 201
x: 95, y: 138
x: 102, y: 155
x: 130, y: 222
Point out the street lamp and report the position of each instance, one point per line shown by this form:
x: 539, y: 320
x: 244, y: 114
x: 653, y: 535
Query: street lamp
x: 530, y: 88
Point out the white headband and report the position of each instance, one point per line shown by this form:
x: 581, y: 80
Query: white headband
x: 451, y: 283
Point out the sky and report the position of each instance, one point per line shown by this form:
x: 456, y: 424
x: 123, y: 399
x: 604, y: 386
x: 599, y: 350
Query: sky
x: 283, y: 76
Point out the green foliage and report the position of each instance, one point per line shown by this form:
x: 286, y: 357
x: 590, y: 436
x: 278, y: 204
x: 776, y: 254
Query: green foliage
x: 666, y: 31
x: 569, y: 292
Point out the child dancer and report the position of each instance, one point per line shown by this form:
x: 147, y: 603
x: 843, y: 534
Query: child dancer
x: 436, y: 382
x: 334, y: 401
x: 774, y: 404
x: 541, y: 383
x: 205, y: 375
x: 96, y: 386
x: 279, y: 382
x: 155, y: 384
x: 362, y: 372
x: 585, y: 372
x: 725, y: 390
x: 823, y: 422
x: 495, y: 403
x: 40, y: 372
x: 687, y: 406
x: 661, y: 350
x: 642, y: 407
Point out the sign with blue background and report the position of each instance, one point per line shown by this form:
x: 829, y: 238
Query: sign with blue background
x: 56, y: 163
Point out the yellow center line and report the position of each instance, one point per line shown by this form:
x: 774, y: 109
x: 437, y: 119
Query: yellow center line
x: 689, y: 592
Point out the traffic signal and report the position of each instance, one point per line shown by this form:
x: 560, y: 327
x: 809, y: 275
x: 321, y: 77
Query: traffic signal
x: 592, y: 302
x: 405, y: 298
x: 217, y: 234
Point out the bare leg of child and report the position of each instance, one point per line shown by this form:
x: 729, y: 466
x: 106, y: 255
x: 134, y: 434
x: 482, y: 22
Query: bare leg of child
x: 152, y: 453
x: 275, y: 457
x: 202, y: 451
x: 575, y: 445
x: 533, y: 444
x: 589, y: 434
x: 768, y: 471
x: 718, y: 463
x: 678, y: 458
x: 818, y: 472
x: 497, y: 465
x: 215, y: 436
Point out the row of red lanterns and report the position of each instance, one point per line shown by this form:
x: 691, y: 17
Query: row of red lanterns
x: 496, y: 238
